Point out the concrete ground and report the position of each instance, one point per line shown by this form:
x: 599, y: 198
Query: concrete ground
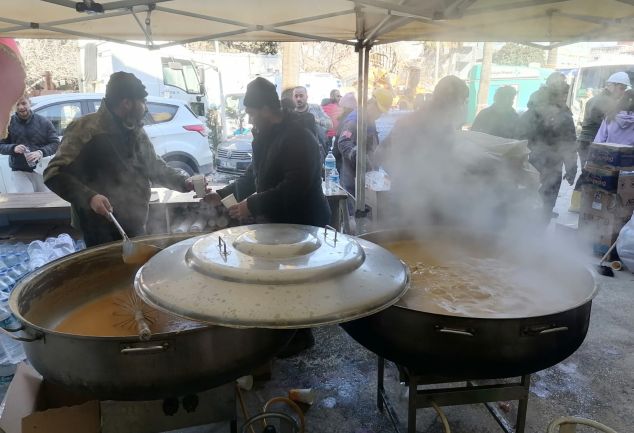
x: 596, y: 382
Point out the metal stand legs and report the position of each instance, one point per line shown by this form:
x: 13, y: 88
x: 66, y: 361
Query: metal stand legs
x: 469, y: 394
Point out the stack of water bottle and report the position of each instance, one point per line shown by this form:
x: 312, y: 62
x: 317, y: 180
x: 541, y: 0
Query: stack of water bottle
x: 331, y: 173
x: 17, y: 260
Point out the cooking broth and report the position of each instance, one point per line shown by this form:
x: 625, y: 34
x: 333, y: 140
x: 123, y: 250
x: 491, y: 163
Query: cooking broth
x: 461, y: 279
x: 107, y: 317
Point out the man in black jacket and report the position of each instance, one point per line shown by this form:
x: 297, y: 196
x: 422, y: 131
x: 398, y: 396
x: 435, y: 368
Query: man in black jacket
x: 500, y: 119
x: 551, y: 135
x: 31, y: 137
x: 283, y: 183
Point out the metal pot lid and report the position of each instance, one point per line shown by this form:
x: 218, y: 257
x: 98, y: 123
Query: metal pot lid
x: 273, y: 276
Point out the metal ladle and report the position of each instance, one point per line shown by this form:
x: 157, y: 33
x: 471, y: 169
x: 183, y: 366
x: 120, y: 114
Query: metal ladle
x: 133, y: 253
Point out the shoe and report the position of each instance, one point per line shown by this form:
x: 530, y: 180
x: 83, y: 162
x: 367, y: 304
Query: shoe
x: 302, y: 340
x: 575, y: 202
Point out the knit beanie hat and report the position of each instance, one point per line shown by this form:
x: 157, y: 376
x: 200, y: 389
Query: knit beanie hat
x: 260, y: 93
x: 124, y: 85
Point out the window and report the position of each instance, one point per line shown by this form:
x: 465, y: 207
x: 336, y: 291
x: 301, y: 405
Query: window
x: 61, y: 114
x: 181, y: 74
x: 161, y: 113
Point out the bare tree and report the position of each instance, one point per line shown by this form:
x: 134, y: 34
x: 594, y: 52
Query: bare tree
x: 59, y: 57
x: 336, y: 59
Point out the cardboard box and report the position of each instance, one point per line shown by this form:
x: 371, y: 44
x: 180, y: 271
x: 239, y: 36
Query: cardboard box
x: 599, y: 230
x: 602, y: 177
x: 625, y: 189
x: 33, y: 405
x: 601, y: 217
x: 618, y: 156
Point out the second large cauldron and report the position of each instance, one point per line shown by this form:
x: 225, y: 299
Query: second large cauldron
x: 451, y: 346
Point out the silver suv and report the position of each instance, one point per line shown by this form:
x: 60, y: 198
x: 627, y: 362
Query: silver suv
x: 178, y: 136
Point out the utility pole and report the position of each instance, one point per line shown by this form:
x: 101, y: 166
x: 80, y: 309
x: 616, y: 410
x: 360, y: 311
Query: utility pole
x: 485, y: 75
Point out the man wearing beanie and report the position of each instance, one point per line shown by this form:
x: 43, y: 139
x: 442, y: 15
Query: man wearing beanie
x: 283, y: 182
x: 106, y: 162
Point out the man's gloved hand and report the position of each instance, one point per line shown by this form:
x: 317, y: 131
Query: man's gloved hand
x: 100, y: 204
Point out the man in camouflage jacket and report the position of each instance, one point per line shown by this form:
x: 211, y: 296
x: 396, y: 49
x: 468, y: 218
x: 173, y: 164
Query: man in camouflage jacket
x: 106, y: 163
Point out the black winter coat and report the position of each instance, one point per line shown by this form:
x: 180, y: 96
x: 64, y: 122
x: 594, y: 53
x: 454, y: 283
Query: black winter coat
x: 36, y: 133
x: 285, y: 176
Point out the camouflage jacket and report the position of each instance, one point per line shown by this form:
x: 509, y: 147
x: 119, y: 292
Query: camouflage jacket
x: 100, y: 155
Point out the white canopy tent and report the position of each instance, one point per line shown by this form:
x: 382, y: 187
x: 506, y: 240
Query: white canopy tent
x: 344, y: 21
x: 361, y: 23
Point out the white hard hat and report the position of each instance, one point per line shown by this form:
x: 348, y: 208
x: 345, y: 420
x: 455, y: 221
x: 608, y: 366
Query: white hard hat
x: 619, y: 78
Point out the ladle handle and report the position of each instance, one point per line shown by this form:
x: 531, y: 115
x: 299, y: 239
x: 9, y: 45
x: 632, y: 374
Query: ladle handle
x: 116, y: 223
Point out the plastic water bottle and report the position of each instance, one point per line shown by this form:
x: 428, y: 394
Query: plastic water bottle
x: 39, y: 253
x: 63, y: 245
x: 333, y: 180
x: 6, y: 280
x: 80, y: 245
x: 13, y: 349
x: 330, y: 163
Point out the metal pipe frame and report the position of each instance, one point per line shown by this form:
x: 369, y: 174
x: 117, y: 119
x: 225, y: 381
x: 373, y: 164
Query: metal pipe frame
x: 364, y: 62
x: 470, y: 394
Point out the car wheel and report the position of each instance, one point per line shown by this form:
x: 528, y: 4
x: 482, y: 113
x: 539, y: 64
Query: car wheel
x: 183, y: 167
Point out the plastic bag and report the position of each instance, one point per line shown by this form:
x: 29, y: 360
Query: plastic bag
x: 625, y: 245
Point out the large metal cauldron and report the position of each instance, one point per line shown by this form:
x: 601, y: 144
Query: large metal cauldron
x: 475, y: 348
x: 125, y: 368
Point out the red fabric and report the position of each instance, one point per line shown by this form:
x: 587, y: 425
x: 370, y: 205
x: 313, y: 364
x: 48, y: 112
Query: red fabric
x: 12, y: 77
x: 333, y: 111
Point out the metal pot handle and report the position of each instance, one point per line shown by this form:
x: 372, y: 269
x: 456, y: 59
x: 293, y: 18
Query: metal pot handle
x: 455, y: 331
x: 144, y: 350
x: 20, y: 334
x: 326, y: 227
x: 543, y: 330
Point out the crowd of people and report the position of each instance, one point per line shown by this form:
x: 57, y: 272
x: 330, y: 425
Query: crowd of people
x: 106, y: 162
x: 549, y: 127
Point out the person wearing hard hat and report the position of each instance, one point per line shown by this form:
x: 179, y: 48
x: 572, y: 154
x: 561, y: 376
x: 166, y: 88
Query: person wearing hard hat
x: 380, y: 103
x: 594, y: 114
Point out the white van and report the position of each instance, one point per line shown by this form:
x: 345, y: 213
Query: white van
x: 178, y: 135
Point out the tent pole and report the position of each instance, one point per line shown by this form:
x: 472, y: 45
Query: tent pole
x: 364, y: 62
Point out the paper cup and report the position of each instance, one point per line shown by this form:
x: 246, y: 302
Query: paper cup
x: 616, y: 265
x: 229, y: 201
x: 200, y: 185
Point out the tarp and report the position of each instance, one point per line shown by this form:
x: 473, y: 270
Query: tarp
x: 380, y: 21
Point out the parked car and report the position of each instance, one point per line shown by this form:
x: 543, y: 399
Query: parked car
x: 177, y: 134
x: 233, y: 156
